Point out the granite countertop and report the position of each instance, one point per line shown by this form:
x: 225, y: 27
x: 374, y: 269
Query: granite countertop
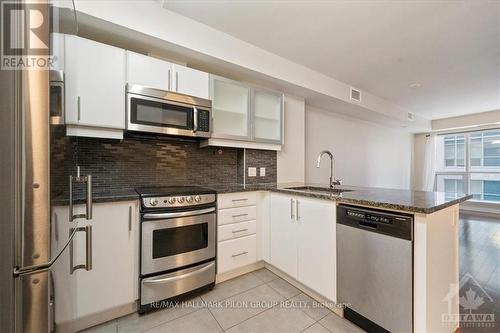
x: 382, y: 198
x: 108, y: 195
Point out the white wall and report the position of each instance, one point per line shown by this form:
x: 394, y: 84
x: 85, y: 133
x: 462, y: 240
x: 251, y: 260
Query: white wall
x: 366, y: 154
x: 292, y: 155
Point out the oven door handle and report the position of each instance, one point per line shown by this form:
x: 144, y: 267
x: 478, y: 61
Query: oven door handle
x: 177, y: 277
x: 178, y: 214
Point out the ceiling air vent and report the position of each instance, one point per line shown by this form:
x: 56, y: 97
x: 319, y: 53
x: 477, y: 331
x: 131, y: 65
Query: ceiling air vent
x: 410, y: 116
x: 355, y: 94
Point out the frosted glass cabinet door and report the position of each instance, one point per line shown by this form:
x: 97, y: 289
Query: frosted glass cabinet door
x: 267, y: 116
x: 230, y: 108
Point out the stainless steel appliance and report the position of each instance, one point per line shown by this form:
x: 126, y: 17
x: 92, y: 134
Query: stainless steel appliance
x: 178, y: 243
x: 29, y: 252
x: 56, y: 78
x: 374, y: 268
x: 166, y: 112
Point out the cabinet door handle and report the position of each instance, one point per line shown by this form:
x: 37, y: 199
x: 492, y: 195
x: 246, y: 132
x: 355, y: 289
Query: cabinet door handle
x: 177, y: 81
x: 239, y: 215
x: 239, y: 254
x: 78, y: 108
x: 237, y: 200
x: 169, y: 80
x: 298, y: 210
x: 241, y: 230
x: 292, y: 215
x: 130, y: 218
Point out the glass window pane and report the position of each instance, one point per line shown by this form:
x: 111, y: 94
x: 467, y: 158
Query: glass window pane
x: 492, y: 190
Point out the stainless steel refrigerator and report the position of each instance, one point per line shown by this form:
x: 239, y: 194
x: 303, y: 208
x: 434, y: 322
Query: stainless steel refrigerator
x: 28, y: 254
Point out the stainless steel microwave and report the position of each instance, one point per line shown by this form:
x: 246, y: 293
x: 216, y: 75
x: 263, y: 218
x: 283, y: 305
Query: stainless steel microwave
x: 56, y: 78
x: 165, y: 112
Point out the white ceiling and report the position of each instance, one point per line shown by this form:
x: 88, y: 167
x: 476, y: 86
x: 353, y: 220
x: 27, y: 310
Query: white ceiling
x: 450, y: 48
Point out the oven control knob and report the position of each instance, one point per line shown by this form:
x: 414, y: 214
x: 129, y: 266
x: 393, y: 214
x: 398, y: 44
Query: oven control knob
x: 180, y: 200
x: 171, y: 200
x: 189, y: 199
x: 153, y: 202
x: 197, y: 198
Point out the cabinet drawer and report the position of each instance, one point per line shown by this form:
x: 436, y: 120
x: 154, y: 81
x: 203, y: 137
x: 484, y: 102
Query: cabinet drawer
x: 236, y: 253
x: 239, y: 199
x: 230, y: 231
x: 233, y: 215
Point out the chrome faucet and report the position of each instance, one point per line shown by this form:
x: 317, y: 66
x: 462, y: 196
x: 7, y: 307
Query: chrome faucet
x: 332, y: 180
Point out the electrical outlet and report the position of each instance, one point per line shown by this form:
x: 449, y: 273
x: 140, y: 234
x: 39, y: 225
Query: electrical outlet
x: 252, y: 171
x: 262, y: 172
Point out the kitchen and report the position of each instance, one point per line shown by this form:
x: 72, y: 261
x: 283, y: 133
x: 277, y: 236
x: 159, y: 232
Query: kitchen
x: 169, y: 182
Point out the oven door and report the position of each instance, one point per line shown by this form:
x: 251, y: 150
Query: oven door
x: 156, y: 115
x: 175, y: 240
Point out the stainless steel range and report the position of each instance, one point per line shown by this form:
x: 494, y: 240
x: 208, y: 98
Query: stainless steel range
x: 178, y: 239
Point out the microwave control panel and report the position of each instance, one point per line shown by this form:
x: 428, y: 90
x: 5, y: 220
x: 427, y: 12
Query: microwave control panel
x: 203, y: 120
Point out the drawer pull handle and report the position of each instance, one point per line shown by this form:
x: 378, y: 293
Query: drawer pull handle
x: 236, y: 200
x: 239, y: 254
x: 240, y: 215
x: 241, y: 230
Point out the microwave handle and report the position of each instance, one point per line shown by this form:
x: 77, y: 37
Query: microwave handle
x: 195, y: 119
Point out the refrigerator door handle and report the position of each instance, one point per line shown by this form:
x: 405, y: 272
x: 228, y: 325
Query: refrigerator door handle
x: 88, y: 205
x: 88, y: 252
x: 46, y: 266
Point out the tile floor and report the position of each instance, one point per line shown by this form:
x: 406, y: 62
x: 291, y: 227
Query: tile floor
x: 255, y: 302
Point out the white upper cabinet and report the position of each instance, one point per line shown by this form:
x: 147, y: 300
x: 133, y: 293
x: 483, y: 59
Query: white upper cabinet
x: 159, y: 74
x: 95, y: 84
x: 148, y: 71
x: 267, y: 116
x: 230, y: 109
x: 190, y: 81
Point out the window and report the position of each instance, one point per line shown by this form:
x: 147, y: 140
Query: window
x: 469, y: 163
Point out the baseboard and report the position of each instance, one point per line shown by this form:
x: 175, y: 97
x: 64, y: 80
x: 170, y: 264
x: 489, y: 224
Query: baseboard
x: 239, y: 271
x: 97, y: 318
x: 330, y: 304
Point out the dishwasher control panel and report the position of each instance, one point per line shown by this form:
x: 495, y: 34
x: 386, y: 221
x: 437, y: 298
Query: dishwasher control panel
x: 388, y: 223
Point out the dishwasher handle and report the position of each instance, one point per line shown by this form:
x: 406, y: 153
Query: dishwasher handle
x: 368, y: 225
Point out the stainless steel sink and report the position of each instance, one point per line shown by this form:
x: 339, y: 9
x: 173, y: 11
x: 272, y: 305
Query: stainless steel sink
x: 314, y: 189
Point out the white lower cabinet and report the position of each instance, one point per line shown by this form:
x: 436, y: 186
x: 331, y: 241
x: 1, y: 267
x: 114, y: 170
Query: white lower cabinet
x: 303, y: 241
x: 283, y: 249
x: 236, y: 230
x: 112, y: 282
x: 236, y: 253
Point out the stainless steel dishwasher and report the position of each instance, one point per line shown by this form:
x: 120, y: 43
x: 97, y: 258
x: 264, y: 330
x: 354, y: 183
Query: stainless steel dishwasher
x: 375, y: 268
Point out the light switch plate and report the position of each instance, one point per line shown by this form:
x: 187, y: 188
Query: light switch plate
x: 252, y: 171
x: 262, y: 172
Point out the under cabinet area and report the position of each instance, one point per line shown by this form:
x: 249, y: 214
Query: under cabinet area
x: 236, y: 230
x: 302, y: 241
x: 109, y: 247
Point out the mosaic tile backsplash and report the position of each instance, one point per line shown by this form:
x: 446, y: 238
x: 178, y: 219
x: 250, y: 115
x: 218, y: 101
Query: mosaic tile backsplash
x: 149, y: 161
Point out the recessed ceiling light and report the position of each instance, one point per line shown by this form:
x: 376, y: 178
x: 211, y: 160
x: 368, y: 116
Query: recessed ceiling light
x: 415, y: 85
